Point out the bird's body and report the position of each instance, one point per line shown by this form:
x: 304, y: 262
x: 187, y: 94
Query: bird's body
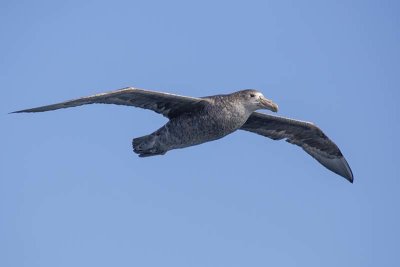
x: 219, y: 116
x: 193, y: 121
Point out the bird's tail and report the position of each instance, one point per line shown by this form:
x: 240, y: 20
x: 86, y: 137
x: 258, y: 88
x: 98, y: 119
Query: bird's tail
x: 147, y: 146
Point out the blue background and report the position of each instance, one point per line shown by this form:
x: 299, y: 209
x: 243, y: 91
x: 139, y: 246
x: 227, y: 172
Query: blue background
x: 72, y: 193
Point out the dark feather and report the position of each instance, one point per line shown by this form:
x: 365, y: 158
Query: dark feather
x: 304, y: 134
x: 169, y: 105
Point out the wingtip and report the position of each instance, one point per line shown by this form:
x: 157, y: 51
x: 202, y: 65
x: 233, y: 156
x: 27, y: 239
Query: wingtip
x: 349, y: 178
x: 337, y: 165
x: 346, y: 172
x: 31, y: 110
x: 19, y: 111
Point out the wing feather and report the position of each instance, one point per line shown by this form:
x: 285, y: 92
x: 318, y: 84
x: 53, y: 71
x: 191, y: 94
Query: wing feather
x: 169, y: 105
x: 303, y: 134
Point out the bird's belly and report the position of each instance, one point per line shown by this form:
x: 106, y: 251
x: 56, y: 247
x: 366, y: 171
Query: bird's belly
x: 189, y: 131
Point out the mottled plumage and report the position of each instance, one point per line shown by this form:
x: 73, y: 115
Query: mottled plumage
x: 193, y: 121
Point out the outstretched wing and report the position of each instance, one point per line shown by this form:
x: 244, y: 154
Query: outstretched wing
x: 169, y: 105
x: 304, y: 134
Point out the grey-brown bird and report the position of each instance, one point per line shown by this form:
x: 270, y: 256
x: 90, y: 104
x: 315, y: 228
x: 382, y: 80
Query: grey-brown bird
x: 196, y: 120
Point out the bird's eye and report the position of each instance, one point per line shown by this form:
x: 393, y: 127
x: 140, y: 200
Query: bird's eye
x: 252, y: 95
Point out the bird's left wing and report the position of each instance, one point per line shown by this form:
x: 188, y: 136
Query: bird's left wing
x: 304, y: 134
x: 169, y: 105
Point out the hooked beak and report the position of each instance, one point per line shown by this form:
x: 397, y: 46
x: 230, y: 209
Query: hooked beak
x: 268, y: 104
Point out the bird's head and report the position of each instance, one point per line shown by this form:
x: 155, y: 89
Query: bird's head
x: 254, y: 100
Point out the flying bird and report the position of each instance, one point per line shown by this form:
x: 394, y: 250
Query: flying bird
x: 196, y: 120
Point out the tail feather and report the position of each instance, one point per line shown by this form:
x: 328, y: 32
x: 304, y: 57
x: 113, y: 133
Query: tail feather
x: 147, y: 146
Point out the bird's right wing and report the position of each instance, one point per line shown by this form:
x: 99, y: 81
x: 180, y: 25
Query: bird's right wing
x: 169, y: 105
x: 304, y: 134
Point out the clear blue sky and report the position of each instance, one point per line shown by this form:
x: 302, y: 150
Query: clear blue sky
x: 72, y: 193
